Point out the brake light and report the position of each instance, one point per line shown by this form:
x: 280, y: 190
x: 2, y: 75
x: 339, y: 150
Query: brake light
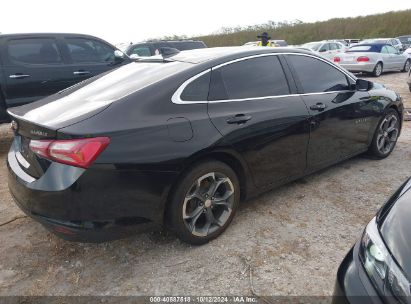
x: 75, y: 152
x: 363, y: 59
x: 337, y: 59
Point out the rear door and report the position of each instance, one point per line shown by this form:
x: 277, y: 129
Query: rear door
x: 341, y: 117
x: 88, y: 57
x: 250, y: 104
x: 33, y: 68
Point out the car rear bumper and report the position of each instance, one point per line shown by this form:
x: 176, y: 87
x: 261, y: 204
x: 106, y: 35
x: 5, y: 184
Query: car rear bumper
x: 98, y: 204
x: 359, y: 67
x: 352, y: 284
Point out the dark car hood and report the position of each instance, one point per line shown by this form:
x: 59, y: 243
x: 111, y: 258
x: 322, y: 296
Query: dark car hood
x: 92, y: 96
x: 396, y: 229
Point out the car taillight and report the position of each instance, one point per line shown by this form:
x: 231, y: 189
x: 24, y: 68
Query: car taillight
x: 337, y: 59
x: 363, y: 59
x: 75, y: 152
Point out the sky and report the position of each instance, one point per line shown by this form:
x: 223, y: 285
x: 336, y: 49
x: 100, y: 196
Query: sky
x: 119, y: 21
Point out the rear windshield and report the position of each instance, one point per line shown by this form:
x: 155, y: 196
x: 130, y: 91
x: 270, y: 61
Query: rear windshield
x: 104, y: 90
x: 365, y: 48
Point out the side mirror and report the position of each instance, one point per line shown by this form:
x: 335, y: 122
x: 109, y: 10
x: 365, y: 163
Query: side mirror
x: 363, y: 85
x: 322, y: 50
x: 118, y: 56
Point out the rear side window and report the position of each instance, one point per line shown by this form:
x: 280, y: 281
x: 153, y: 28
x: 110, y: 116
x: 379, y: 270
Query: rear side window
x: 197, y: 90
x: 34, y: 51
x: 250, y: 78
x: 335, y: 46
x: 88, y: 50
x: 325, y: 47
x: 317, y: 76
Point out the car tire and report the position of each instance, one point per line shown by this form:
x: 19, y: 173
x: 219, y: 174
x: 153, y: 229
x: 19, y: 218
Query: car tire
x: 377, y: 70
x: 386, y: 135
x: 407, y: 66
x: 204, y: 202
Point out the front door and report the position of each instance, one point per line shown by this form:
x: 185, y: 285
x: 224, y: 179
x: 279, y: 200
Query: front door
x: 341, y: 117
x: 251, y: 106
x: 88, y: 57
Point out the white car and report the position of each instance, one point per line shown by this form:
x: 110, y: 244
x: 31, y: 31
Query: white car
x: 327, y: 49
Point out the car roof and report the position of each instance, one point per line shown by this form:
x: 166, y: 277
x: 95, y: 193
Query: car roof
x: 207, y: 54
x: 45, y: 34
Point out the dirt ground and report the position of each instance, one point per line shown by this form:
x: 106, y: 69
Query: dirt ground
x: 294, y: 238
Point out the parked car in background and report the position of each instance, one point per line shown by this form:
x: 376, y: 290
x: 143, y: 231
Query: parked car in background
x: 151, y: 48
x: 327, y: 49
x: 405, y: 40
x: 396, y: 43
x: 374, y: 58
x: 181, y: 139
x: 273, y: 43
x: 33, y: 66
x: 342, y: 41
x: 378, y: 268
x: 352, y: 41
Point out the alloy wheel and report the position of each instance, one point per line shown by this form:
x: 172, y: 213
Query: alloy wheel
x: 208, y: 204
x: 387, y: 134
x: 407, y: 66
x: 378, y: 69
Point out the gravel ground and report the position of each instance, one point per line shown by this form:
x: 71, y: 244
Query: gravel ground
x: 293, y: 238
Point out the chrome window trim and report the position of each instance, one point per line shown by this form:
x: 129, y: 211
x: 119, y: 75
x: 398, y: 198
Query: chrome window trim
x: 176, y: 98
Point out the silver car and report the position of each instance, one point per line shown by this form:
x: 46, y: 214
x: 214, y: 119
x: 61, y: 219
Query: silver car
x: 373, y: 58
x: 327, y: 49
x: 409, y: 80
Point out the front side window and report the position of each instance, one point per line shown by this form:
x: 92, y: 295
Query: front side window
x: 250, y: 78
x: 84, y: 50
x: 391, y: 49
x: 317, y: 76
x: 33, y: 51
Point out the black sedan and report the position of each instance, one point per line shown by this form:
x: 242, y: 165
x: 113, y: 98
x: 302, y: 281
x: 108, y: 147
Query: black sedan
x: 181, y: 139
x: 378, y: 267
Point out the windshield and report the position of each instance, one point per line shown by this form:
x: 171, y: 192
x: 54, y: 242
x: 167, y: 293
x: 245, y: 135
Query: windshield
x: 312, y: 45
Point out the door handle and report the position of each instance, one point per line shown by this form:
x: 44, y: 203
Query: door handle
x: 319, y: 106
x: 18, y: 76
x: 81, y: 72
x: 239, y: 119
